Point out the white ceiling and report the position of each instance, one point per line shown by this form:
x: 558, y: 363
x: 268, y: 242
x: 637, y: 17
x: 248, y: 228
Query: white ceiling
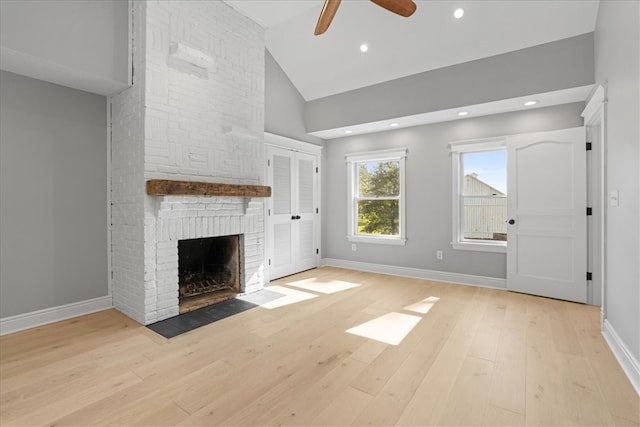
x: 432, y: 38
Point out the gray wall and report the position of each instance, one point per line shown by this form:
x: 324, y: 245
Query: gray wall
x: 283, y: 105
x: 548, y: 67
x: 617, y: 68
x: 428, y: 189
x: 79, y: 44
x: 53, y: 195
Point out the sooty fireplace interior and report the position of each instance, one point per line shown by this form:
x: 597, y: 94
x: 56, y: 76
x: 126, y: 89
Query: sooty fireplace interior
x: 208, y: 271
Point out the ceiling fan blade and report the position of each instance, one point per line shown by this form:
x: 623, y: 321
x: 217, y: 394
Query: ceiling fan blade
x: 400, y: 7
x: 326, y: 16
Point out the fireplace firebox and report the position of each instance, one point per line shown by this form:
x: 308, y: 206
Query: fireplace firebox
x: 208, y: 271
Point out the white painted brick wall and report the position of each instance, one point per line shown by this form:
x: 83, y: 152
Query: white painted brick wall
x: 127, y: 186
x: 170, y: 125
x: 187, y: 107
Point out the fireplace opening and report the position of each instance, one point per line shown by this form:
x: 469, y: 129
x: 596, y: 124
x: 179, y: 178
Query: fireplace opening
x: 208, y: 271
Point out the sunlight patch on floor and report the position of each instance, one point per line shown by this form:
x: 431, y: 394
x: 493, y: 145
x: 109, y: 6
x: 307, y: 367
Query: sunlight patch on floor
x: 423, y: 306
x: 330, y: 287
x: 391, y: 328
x: 291, y: 296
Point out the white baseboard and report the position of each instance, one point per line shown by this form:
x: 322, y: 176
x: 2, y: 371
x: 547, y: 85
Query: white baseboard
x: 627, y: 361
x: 441, y: 276
x: 53, y: 314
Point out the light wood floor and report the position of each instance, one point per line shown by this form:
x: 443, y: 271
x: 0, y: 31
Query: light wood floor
x: 478, y: 357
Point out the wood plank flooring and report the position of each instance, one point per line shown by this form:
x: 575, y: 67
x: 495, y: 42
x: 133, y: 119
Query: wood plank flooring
x: 477, y: 357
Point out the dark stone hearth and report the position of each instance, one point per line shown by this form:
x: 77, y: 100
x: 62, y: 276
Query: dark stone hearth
x: 186, y: 322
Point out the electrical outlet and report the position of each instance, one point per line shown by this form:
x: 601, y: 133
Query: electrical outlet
x: 354, y: 247
x: 439, y: 255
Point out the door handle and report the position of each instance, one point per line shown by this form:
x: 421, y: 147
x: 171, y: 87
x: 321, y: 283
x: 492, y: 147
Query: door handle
x: 512, y: 221
x: 295, y: 216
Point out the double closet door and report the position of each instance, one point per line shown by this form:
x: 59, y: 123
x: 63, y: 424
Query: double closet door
x: 292, y: 211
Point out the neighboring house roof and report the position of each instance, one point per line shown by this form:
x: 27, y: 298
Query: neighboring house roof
x: 475, y: 186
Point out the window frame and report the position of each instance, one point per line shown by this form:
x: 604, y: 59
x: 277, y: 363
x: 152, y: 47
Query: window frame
x: 457, y: 149
x: 352, y: 161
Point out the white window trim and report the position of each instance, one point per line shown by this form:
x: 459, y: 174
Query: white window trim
x: 373, y: 156
x: 457, y: 148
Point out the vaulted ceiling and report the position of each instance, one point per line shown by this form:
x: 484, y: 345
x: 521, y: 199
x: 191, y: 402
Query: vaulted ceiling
x: 432, y: 38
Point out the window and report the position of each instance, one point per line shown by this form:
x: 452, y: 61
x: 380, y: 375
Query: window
x: 376, y: 197
x: 479, y: 195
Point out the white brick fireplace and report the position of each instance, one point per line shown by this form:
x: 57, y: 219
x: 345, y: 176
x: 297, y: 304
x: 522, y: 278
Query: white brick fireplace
x: 194, y: 113
x: 190, y: 217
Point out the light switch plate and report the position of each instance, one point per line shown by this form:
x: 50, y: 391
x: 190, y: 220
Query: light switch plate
x: 614, y: 198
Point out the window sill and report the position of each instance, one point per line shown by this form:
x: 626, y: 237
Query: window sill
x: 480, y: 247
x: 378, y: 240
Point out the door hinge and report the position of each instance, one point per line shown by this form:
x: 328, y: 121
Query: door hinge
x: 316, y: 169
x: 317, y: 251
x: 317, y: 210
x: 268, y: 212
x: 268, y: 162
x: 589, y: 275
x: 588, y: 146
x: 269, y: 261
x: 589, y: 211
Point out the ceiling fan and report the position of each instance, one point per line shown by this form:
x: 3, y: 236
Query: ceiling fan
x: 400, y: 7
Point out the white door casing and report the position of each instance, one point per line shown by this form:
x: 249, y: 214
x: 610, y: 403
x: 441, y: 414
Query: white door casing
x: 594, y: 119
x: 547, y: 249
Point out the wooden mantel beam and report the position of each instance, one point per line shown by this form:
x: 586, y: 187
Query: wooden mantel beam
x: 166, y: 187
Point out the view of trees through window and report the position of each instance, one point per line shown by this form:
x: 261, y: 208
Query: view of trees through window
x: 378, y: 199
x: 484, y: 195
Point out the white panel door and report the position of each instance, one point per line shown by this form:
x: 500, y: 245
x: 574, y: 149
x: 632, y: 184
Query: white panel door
x: 547, y: 231
x: 292, y: 211
x: 280, y: 213
x: 305, y: 243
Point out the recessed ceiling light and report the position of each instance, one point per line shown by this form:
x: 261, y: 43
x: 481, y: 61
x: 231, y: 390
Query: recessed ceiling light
x: 364, y: 47
x: 459, y: 13
x: 394, y: 124
x: 530, y: 103
x: 463, y: 113
x: 348, y: 131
